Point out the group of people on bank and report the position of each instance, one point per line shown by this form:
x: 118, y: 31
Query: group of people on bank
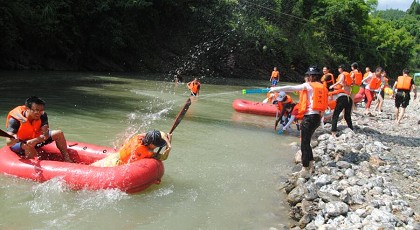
x: 321, y: 91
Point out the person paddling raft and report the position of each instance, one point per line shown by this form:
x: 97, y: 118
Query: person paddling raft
x: 194, y: 87
x: 313, y: 101
x: 139, y: 147
x: 29, y: 125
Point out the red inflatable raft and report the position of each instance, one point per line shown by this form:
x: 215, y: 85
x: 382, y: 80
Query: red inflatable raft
x: 130, y: 178
x: 244, y: 106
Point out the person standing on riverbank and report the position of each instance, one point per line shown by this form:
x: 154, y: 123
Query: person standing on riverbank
x: 275, y: 77
x: 375, y: 81
x: 357, y: 77
x: 313, y: 101
x: 343, y: 102
x: 194, y: 86
x: 29, y: 125
x: 341, y: 80
x: 328, y: 78
x: 404, y: 85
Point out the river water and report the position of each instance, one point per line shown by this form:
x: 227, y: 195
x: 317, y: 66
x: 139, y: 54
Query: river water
x: 223, y: 172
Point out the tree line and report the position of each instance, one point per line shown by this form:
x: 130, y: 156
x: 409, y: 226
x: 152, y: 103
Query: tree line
x: 230, y: 38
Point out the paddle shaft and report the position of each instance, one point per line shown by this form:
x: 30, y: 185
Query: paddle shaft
x: 178, y: 118
x: 4, y: 134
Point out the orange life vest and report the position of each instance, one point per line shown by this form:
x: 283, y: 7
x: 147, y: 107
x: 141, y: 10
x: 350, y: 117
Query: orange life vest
x: 271, y: 97
x: 366, y: 75
x: 134, y: 150
x: 375, y: 83
x: 357, y: 77
x: 347, y: 79
x: 295, y: 112
x: 280, y: 104
x: 404, y: 82
x: 319, y: 98
x: 193, y: 87
x: 288, y: 100
x: 325, y: 82
x: 27, y: 130
x: 331, y: 102
x: 275, y: 74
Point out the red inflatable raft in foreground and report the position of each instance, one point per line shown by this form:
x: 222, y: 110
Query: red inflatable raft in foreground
x: 244, y: 106
x: 130, y: 178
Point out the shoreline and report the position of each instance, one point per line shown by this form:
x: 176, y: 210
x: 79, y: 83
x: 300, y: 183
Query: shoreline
x: 366, y: 179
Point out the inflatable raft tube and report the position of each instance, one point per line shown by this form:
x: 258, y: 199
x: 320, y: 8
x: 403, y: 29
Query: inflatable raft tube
x: 130, y: 178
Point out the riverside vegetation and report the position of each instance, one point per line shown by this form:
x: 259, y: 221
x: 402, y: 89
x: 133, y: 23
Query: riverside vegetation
x: 206, y: 38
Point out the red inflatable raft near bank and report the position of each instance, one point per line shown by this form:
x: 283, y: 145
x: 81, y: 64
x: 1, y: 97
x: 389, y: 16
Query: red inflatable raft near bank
x: 130, y: 178
x: 245, y: 106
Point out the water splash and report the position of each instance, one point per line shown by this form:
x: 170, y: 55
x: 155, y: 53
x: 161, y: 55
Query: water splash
x: 163, y: 191
x: 48, y: 196
x: 142, y: 120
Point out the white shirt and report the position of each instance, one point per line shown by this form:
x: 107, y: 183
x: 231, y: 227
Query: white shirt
x: 300, y: 87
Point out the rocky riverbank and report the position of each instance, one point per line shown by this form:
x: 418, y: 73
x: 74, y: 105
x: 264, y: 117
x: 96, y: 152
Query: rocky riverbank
x: 366, y: 179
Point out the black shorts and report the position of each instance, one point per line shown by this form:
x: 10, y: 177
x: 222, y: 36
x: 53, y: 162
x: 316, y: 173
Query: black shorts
x: 402, y: 98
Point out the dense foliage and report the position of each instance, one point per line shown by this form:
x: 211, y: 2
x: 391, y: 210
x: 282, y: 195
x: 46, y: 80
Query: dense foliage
x: 233, y: 38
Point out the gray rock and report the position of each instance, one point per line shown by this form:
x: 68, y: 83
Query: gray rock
x: 343, y: 164
x: 311, y: 193
x: 349, y: 172
x: 379, y: 216
x: 296, y: 195
x: 336, y: 208
x: 323, y: 180
x: 328, y: 193
x: 319, y: 220
x: 352, y: 195
x: 353, y: 218
x: 361, y: 212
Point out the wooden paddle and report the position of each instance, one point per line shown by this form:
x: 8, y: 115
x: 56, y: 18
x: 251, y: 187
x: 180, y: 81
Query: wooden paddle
x: 178, y: 119
x: 4, y: 134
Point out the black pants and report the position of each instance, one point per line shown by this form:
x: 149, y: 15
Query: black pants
x: 343, y: 102
x: 308, y: 126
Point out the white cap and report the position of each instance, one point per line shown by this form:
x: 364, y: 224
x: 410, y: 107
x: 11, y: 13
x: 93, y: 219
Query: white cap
x: 281, y: 96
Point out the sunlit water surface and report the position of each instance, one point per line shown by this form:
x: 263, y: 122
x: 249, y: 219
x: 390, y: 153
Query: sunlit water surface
x: 223, y: 173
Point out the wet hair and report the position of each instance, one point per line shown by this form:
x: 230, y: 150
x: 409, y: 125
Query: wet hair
x: 355, y: 65
x: 154, y: 137
x: 34, y: 100
x: 406, y: 71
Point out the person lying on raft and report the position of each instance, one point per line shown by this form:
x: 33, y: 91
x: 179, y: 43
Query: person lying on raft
x: 139, y: 147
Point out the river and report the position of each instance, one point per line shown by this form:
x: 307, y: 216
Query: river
x: 223, y: 172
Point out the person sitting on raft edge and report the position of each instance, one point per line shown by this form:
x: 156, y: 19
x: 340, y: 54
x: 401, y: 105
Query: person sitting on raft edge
x: 29, y: 125
x: 139, y: 147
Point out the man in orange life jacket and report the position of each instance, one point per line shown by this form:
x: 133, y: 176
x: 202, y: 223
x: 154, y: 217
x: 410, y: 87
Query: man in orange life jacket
x: 275, y: 77
x: 313, y: 101
x: 194, y: 87
x: 139, y: 147
x: 403, y: 85
x: 29, y: 125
